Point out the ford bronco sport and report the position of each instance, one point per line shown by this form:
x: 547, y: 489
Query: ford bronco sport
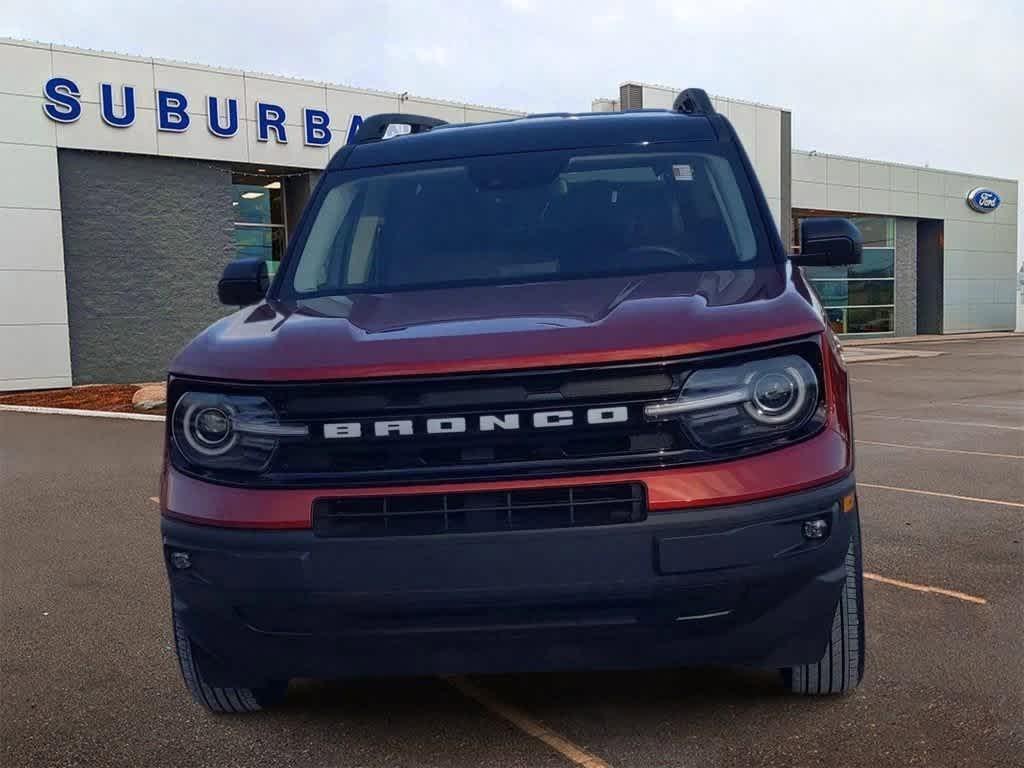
x: 533, y: 394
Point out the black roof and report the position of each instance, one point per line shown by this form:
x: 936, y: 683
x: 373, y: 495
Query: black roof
x: 532, y: 133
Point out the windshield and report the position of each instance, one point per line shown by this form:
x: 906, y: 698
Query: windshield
x: 526, y: 217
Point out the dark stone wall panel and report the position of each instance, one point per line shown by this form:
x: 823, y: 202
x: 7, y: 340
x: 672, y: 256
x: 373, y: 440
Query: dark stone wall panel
x: 145, y: 240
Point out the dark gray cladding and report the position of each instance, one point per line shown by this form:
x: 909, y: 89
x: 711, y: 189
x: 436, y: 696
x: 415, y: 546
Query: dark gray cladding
x: 145, y: 239
x: 906, y: 277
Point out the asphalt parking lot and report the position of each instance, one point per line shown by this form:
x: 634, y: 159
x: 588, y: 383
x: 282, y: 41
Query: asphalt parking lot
x: 88, y: 675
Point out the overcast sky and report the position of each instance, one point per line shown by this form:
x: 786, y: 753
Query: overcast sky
x: 938, y: 82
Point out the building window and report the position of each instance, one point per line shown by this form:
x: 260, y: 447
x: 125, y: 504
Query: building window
x: 258, y: 205
x: 860, y: 298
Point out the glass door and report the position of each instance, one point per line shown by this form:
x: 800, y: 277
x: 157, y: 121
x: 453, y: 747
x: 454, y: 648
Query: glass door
x: 259, y: 213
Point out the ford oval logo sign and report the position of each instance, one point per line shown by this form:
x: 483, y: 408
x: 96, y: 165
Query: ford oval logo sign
x: 983, y: 200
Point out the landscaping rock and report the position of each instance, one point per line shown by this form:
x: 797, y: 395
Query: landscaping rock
x: 150, y: 396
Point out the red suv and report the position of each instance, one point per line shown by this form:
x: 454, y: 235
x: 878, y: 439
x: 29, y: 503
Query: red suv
x: 540, y: 393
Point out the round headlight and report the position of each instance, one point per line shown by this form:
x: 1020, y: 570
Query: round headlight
x: 762, y: 399
x: 207, y: 429
x: 228, y: 431
x: 776, y: 396
x: 212, y: 426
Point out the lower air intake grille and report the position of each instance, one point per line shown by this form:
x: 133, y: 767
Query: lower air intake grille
x: 422, y: 515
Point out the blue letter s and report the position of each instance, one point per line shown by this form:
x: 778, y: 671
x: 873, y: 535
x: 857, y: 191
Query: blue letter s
x: 62, y: 102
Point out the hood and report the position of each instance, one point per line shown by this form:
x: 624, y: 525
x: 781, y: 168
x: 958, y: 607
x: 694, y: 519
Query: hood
x: 483, y: 328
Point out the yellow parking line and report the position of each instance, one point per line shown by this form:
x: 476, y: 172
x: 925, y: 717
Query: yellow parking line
x: 943, y: 421
x: 525, y: 723
x: 942, y: 450
x: 925, y: 588
x: 943, y: 495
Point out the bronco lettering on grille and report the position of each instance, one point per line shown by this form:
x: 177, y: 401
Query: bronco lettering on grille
x: 488, y: 422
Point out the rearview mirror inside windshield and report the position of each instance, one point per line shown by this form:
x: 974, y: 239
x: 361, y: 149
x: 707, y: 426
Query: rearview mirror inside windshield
x: 511, y: 172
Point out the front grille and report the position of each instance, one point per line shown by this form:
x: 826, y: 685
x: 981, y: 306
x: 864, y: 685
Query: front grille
x: 488, y: 512
x: 494, y: 454
x: 358, y: 457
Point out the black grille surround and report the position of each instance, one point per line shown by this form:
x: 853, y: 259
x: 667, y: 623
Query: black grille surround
x: 482, y: 512
x: 529, y: 452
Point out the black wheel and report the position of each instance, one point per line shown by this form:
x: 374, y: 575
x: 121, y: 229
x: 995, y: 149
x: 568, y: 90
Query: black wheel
x: 231, y: 700
x: 841, y: 667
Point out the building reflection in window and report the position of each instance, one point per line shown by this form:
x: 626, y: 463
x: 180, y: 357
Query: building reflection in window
x: 860, y: 298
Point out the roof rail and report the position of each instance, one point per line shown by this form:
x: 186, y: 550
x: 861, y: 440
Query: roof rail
x: 693, y: 101
x: 375, y: 127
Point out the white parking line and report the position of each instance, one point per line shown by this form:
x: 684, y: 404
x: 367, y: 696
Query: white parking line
x: 942, y: 421
x: 979, y: 354
x: 1015, y: 406
x: 942, y: 450
x: 943, y: 495
x: 526, y: 724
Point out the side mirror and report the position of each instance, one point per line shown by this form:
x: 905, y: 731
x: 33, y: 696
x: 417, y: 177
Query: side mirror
x: 828, y: 243
x: 244, y: 282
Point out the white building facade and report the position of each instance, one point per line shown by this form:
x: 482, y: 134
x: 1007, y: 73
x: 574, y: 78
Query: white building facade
x: 130, y: 182
x: 934, y: 264
x: 70, y: 119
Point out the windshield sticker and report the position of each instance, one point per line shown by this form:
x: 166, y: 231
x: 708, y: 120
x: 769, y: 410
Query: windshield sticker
x: 682, y: 172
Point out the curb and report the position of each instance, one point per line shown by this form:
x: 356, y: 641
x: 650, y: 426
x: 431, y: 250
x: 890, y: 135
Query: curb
x: 943, y: 338
x: 871, y: 357
x: 79, y: 412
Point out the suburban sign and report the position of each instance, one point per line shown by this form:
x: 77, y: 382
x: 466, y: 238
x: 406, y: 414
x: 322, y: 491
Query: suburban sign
x: 63, y: 105
x: 983, y: 200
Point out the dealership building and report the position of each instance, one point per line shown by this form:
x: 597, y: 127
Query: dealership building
x: 130, y: 182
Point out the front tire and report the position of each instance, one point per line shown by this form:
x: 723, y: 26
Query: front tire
x: 841, y: 668
x: 221, y: 700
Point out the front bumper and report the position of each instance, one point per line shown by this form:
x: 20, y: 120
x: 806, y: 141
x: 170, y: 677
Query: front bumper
x: 730, y: 584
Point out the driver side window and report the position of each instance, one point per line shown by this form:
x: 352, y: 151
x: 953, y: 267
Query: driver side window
x: 326, y: 244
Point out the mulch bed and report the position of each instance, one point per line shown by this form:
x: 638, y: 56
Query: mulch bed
x: 100, y: 397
